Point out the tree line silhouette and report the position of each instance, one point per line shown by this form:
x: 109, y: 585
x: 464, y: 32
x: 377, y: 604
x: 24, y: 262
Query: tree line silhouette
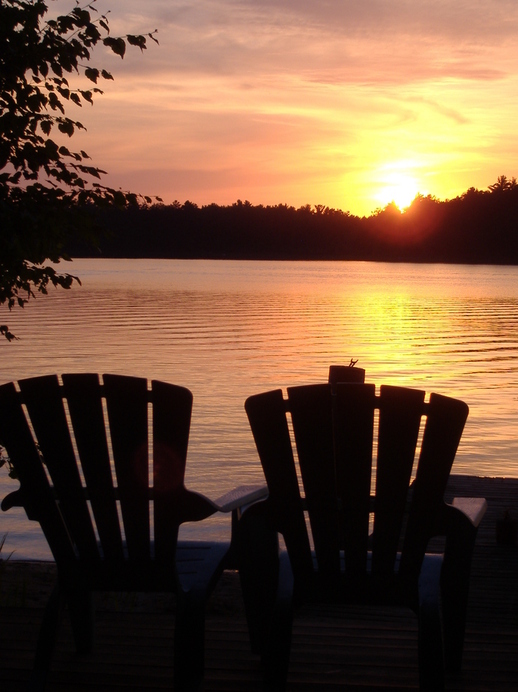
x: 479, y: 226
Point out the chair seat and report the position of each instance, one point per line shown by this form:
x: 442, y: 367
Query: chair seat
x: 369, y: 589
x: 200, y: 561
x: 197, y: 563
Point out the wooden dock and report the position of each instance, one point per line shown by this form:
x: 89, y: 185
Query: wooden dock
x: 351, y: 649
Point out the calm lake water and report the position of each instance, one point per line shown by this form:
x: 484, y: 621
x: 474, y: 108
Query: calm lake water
x: 228, y: 329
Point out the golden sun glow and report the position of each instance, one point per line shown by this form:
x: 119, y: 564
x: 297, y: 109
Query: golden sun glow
x: 400, y: 188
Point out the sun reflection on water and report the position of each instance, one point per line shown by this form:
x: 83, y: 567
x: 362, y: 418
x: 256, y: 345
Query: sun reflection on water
x: 227, y: 330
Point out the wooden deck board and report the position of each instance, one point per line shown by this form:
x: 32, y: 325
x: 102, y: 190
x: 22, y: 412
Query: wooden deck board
x: 345, y: 649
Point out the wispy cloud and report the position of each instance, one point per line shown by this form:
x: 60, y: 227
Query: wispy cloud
x: 284, y: 99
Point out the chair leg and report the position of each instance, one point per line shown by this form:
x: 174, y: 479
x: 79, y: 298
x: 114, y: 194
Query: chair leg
x: 81, y: 610
x: 189, y: 641
x: 258, y: 563
x: 455, y: 605
x: 46, y: 640
x: 267, y: 585
x: 430, y: 636
x: 276, y: 649
x: 455, y: 589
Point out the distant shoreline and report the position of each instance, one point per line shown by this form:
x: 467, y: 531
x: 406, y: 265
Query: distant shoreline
x: 477, y: 228
x: 297, y: 259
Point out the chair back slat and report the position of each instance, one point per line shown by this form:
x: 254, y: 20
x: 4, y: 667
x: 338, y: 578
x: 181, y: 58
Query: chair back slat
x: 44, y: 402
x: 311, y: 414
x: 172, y: 406
x: 38, y: 497
x: 127, y: 406
x: 445, y: 422
x: 267, y: 415
x: 400, y: 412
x: 345, y: 373
x: 83, y: 393
x: 353, y: 429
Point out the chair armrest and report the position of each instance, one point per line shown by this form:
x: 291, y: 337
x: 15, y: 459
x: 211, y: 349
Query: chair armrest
x: 241, y: 496
x: 17, y: 499
x: 473, y: 508
x: 14, y: 499
x: 193, y: 506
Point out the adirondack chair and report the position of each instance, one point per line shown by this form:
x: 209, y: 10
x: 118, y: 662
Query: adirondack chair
x: 343, y: 543
x: 95, y: 459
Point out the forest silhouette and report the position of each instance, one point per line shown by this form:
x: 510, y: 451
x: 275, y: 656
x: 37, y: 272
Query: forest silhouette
x: 479, y: 226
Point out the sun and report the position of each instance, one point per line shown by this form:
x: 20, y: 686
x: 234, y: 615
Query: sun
x: 397, y: 187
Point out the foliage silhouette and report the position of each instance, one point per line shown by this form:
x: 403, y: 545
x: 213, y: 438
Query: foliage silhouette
x: 476, y: 227
x: 48, y: 193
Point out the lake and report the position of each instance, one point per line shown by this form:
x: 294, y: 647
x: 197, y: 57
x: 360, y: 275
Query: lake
x: 228, y: 329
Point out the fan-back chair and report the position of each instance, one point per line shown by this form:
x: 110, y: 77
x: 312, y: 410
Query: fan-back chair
x: 350, y: 538
x: 101, y: 466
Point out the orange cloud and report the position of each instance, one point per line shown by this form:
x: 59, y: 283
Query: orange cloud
x: 302, y: 102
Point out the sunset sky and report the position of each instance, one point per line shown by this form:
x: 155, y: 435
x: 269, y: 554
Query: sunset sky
x: 341, y: 103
